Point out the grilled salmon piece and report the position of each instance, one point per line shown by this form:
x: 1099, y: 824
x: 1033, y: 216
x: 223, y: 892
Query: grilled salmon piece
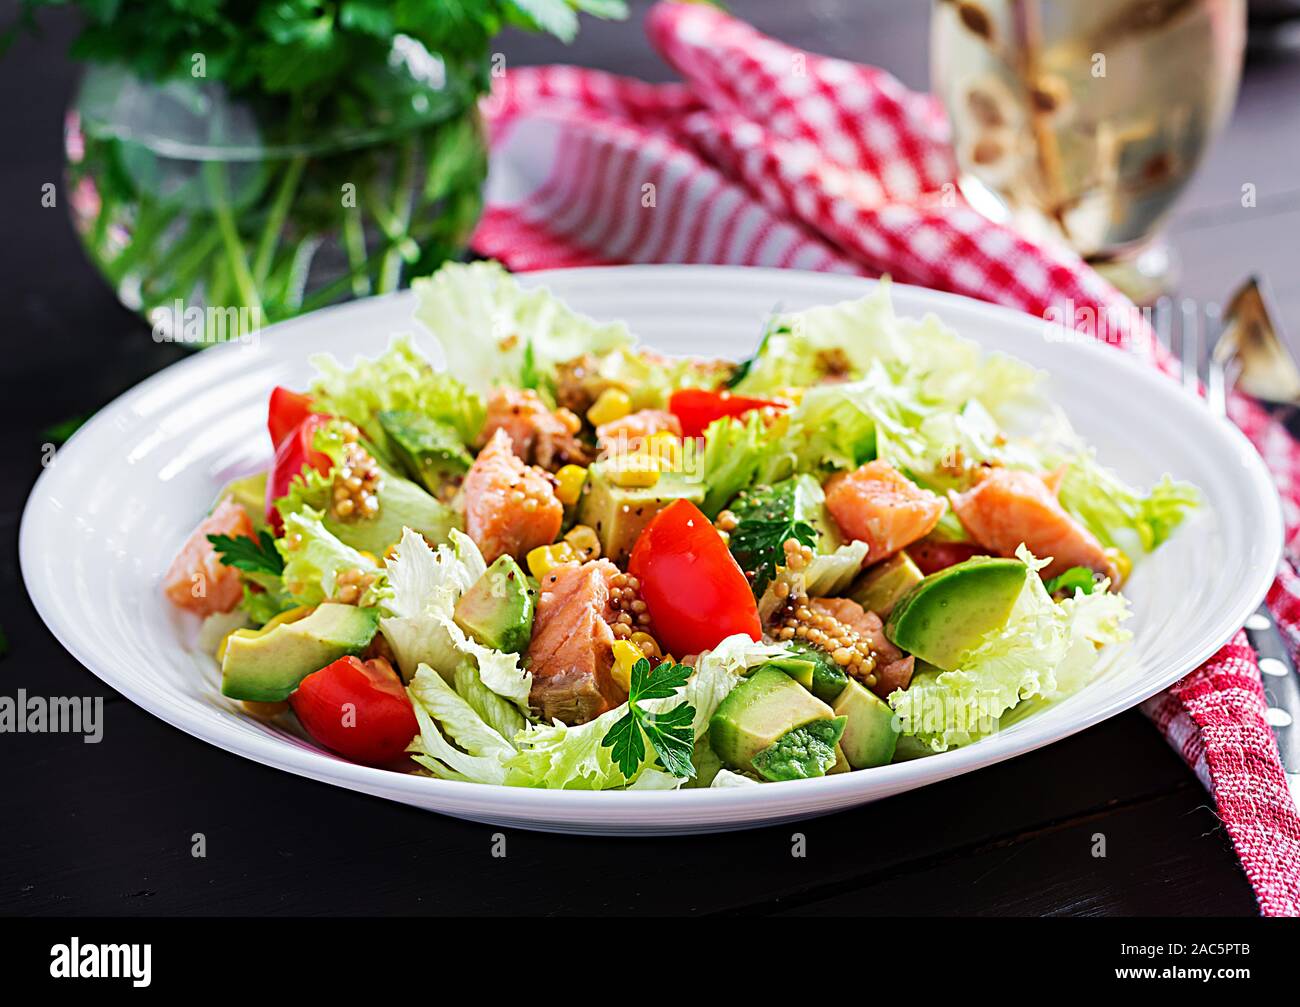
x: 893, y: 667
x: 538, y: 435
x: 1008, y: 507
x: 882, y: 507
x: 510, y: 507
x: 625, y: 434
x: 197, y: 580
x: 571, y: 653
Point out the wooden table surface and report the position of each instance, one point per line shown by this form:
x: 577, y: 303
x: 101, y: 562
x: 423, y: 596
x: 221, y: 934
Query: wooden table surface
x: 107, y: 828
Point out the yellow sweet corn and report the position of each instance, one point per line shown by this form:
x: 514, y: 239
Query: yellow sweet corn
x: 584, y: 540
x: 267, y: 710
x: 612, y: 404
x: 634, y: 471
x: 1123, y: 565
x: 626, y: 654
x: 570, y: 480
x: 666, y: 448
x: 546, y: 558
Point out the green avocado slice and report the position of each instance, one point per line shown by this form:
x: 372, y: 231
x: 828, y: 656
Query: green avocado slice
x: 497, y: 610
x: 951, y: 611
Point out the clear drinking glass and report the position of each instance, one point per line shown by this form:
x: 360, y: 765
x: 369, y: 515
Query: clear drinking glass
x: 1083, y: 120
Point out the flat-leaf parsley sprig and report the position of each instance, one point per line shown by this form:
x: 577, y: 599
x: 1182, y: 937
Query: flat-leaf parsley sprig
x: 671, y: 733
x: 250, y: 555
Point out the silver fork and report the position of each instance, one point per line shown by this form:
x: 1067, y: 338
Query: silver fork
x: 1191, y: 334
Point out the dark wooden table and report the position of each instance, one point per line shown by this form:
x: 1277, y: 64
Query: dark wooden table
x: 107, y: 828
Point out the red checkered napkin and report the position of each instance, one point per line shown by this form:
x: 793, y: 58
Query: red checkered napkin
x: 770, y: 156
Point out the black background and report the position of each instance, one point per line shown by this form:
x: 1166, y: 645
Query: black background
x: 108, y: 828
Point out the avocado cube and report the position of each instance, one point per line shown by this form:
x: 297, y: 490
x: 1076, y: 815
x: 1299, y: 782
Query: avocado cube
x: 870, y: 730
x: 800, y: 669
x: 759, y: 712
x: 951, y: 611
x: 265, y: 666
x: 431, y: 451
x: 497, y: 610
x: 879, y: 588
x: 619, y: 513
x: 803, y: 753
x: 828, y: 678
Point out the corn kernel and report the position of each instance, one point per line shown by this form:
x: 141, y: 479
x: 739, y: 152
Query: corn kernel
x: 1123, y: 565
x: 546, y: 558
x: 571, y: 479
x: 612, y: 404
x: 626, y: 654
x: 648, y: 645
x: 634, y: 471
x: 584, y: 540
x: 665, y: 447
x: 265, y: 709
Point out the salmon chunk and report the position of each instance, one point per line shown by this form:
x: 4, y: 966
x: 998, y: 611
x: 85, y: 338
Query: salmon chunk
x: 1008, y: 507
x: 571, y: 653
x: 197, y: 580
x: 538, y: 435
x: 510, y: 507
x: 882, y: 507
x: 893, y: 669
x: 625, y: 434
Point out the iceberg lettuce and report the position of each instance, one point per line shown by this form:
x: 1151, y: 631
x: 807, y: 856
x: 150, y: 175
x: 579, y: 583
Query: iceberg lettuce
x: 494, y: 331
x: 399, y: 378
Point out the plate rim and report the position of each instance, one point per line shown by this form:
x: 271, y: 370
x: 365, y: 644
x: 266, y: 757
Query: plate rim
x: 540, y: 805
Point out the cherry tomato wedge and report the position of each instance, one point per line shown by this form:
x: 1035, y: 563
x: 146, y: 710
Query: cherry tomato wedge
x: 933, y: 555
x: 294, y: 453
x: 696, y: 408
x: 358, y: 709
x: 284, y: 411
x: 696, y: 592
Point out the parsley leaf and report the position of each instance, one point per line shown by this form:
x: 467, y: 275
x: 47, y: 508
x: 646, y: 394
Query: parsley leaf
x: 250, y: 555
x: 767, y: 517
x: 671, y: 733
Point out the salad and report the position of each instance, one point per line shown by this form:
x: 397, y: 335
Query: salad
x: 564, y: 560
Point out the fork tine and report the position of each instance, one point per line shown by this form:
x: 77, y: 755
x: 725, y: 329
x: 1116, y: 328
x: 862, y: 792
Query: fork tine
x: 1216, y: 394
x: 1164, y: 312
x: 1190, y: 350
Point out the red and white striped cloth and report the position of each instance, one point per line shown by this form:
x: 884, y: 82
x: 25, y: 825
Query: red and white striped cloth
x: 770, y: 156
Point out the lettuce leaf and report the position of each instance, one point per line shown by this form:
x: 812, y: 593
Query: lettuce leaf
x: 494, y: 331
x: 830, y: 574
x: 1120, y: 515
x: 399, y: 378
x: 1046, y: 650
x: 846, y: 340
x: 314, y: 557
x: 422, y: 590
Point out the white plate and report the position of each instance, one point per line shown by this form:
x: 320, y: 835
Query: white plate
x: 103, y: 522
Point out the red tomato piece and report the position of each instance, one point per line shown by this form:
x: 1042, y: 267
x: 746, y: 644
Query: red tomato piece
x: 285, y: 410
x: 696, y: 592
x: 696, y: 408
x: 294, y: 453
x: 358, y: 709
